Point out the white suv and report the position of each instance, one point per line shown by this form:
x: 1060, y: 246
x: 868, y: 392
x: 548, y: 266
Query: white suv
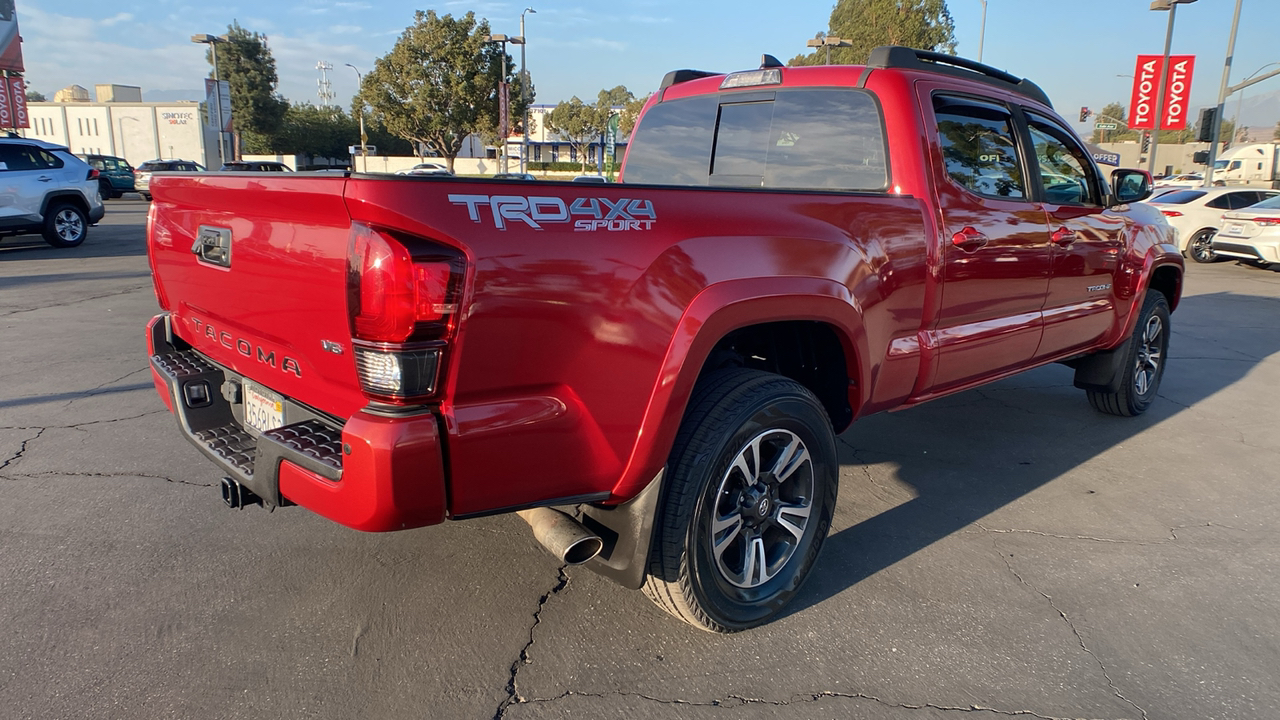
x: 46, y: 189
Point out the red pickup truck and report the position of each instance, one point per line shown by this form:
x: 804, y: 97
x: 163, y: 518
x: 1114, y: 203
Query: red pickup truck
x: 669, y: 358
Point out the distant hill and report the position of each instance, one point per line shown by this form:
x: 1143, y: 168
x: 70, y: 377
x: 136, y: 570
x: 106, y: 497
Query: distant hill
x: 1259, y: 108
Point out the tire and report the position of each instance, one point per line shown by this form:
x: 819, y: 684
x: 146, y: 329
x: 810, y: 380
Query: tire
x: 1143, y: 364
x: 65, y: 225
x: 714, y: 524
x: 1200, y: 246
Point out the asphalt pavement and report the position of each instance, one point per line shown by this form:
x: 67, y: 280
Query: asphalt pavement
x: 1006, y: 551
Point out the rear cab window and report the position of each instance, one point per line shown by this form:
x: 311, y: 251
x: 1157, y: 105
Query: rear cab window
x: 797, y: 138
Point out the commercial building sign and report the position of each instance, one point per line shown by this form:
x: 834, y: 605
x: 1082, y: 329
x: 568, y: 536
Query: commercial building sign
x: 222, y: 100
x: 1145, y: 95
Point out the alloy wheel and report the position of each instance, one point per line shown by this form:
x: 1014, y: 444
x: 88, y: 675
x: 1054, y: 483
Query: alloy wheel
x: 1149, y: 356
x: 68, y: 224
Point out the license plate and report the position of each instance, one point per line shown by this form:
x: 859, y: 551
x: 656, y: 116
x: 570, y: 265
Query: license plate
x: 1235, y: 229
x: 263, y: 409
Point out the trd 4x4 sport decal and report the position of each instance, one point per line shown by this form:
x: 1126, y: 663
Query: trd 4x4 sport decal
x: 585, y: 213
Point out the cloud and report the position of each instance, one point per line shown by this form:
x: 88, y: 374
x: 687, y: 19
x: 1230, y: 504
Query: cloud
x: 117, y: 18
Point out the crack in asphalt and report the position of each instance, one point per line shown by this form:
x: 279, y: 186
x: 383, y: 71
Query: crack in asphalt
x: 77, y: 426
x: 91, y: 391
x: 144, y: 476
x: 77, y: 301
x: 22, y: 449
x: 800, y: 698
x: 513, y: 695
x: 1074, y: 630
x: 1090, y: 538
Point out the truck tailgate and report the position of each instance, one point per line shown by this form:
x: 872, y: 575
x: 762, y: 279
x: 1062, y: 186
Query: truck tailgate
x: 273, y: 306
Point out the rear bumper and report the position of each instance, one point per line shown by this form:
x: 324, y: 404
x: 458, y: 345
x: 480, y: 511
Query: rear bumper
x: 1241, y: 248
x: 97, y: 213
x: 371, y: 472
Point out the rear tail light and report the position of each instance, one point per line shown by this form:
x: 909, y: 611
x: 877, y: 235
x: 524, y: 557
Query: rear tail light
x: 1170, y: 213
x: 1267, y: 221
x: 402, y: 300
x: 93, y: 174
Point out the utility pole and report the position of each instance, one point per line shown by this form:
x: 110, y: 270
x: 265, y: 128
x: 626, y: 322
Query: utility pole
x: 524, y: 93
x: 326, y: 91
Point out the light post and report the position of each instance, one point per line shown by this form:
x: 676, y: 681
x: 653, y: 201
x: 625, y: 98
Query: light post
x: 502, y: 41
x: 828, y: 42
x: 524, y: 92
x: 1222, y: 98
x: 1172, y: 7
x: 982, y: 34
x: 213, y: 41
x: 364, y: 148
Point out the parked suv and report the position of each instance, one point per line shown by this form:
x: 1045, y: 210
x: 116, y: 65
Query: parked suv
x: 142, y: 181
x: 47, y: 190
x: 115, y: 175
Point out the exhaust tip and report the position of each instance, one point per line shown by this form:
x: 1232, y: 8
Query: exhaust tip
x: 563, y: 536
x: 583, y: 550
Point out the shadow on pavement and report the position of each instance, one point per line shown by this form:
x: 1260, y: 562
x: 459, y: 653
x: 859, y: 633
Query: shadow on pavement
x: 968, y: 455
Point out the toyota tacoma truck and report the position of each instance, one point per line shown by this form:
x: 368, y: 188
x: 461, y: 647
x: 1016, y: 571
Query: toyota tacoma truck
x: 653, y: 373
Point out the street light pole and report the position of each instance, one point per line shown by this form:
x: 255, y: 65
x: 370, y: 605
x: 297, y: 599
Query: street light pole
x: 364, y: 139
x: 524, y: 93
x: 1235, y: 120
x: 1172, y: 7
x: 982, y: 34
x: 828, y: 42
x: 212, y: 41
x: 1222, y: 98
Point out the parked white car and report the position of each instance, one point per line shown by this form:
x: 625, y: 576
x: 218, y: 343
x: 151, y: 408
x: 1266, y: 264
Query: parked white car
x: 1196, y: 213
x: 1184, y: 180
x: 47, y: 190
x: 1252, y: 233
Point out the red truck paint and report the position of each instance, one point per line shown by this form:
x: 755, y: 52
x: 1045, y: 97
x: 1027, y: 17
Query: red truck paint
x: 589, y: 311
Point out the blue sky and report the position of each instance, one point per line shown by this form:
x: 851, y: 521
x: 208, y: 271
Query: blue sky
x: 1072, y: 49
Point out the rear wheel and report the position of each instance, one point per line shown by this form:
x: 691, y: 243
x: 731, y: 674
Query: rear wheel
x: 750, y: 491
x: 65, y: 225
x: 1143, y: 365
x: 1200, y: 248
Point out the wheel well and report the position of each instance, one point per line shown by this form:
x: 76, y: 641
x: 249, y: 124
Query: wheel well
x: 69, y: 198
x: 805, y: 351
x: 1168, y: 281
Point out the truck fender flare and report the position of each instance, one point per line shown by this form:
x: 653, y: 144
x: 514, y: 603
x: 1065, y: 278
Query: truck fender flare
x: 716, y: 311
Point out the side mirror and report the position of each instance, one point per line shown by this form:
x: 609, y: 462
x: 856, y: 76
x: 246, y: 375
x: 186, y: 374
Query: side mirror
x: 1129, y: 186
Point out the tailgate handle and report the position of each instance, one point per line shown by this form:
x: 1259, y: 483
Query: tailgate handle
x: 213, y: 245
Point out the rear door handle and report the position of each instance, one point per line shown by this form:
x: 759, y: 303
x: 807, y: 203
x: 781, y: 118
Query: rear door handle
x: 44, y: 178
x: 1063, y: 236
x: 969, y: 239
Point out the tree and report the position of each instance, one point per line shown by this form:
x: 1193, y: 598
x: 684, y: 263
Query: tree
x: 1113, y: 113
x: 439, y: 82
x: 317, y: 131
x: 35, y: 96
x: 578, y: 123
x: 867, y: 24
x: 247, y: 65
x: 630, y: 113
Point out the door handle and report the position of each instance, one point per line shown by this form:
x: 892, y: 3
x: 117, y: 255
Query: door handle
x: 44, y: 178
x: 1063, y: 236
x: 968, y: 239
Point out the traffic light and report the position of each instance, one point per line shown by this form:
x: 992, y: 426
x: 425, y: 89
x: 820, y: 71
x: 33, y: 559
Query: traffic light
x: 1204, y: 131
x: 1146, y: 142
x: 1085, y: 113
x: 1200, y: 157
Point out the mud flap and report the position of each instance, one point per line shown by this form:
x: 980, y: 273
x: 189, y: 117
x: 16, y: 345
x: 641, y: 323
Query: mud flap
x: 626, y: 531
x: 1102, y: 371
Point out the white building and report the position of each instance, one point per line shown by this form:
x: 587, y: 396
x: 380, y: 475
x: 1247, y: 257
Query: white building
x: 135, y: 131
x: 545, y: 146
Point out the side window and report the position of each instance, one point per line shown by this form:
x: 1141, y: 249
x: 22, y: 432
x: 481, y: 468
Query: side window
x: 26, y: 157
x: 978, y: 147
x: 1066, y: 175
x: 1222, y: 202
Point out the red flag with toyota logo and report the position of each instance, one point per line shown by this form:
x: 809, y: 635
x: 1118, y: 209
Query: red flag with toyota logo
x: 1146, y: 83
x: 18, y: 98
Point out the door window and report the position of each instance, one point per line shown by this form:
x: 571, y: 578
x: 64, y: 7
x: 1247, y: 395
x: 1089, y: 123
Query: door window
x: 1066, y: 175
x: 978, y: 146
x: 26, y: 157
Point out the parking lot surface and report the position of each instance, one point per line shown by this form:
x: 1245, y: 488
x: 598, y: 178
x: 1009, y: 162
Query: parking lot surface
x: 1006, y: 551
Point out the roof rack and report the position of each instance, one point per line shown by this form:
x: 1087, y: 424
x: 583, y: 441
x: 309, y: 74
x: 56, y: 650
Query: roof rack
x: 896, y: 56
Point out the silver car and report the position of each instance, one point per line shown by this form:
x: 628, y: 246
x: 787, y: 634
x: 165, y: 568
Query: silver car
x: 45, y: 189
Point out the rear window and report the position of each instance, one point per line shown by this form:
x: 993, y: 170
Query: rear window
x: 1271, y: 203
x: 1180, y: 197
x: 828, y: 138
